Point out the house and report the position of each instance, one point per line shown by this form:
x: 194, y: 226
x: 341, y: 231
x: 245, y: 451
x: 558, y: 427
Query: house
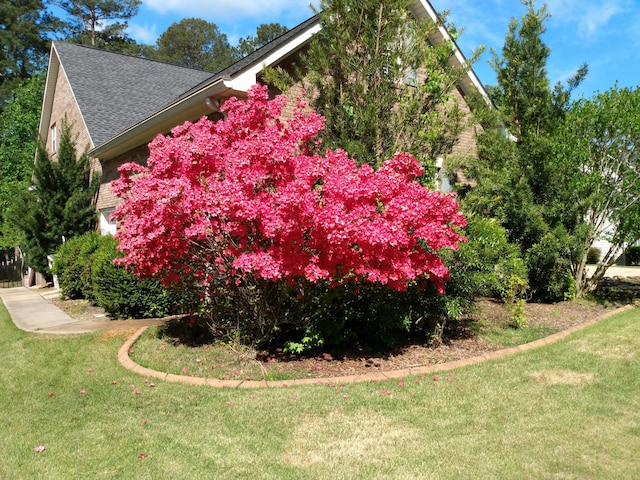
x: 117, y: 104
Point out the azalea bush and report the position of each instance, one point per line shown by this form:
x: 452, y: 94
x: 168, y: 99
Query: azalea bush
x: 249, y: 212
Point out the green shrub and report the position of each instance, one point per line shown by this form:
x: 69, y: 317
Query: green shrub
x: 486, y: 265
x: 550, y: 267
x: 633, y: 255
x: 594, y: 255
x: 72, y: 266
x: 120, y: 292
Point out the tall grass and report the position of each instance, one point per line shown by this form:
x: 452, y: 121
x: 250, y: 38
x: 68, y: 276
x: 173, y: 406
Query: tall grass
x: 568, y: 410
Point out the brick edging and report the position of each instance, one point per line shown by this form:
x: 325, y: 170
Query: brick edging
x: 125, y: 360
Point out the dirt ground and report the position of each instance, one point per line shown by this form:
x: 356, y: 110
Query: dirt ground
x: 459, y: 340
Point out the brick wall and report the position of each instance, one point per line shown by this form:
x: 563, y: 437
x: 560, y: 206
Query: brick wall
x: 65, y: 108
x: 109, y: 172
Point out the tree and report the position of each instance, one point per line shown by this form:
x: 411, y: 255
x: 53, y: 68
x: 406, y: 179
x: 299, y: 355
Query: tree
x: 381, y: 84
x: 97, y: 18
x: 265, y: 33
x: 24, y: 26
x: 59, y: 205
x: 517, y: 179
x: 195, y: 43
x: 246, y: 211
x: 598, y: 151
x: 18, y: 140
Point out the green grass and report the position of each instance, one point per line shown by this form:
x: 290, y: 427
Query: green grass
x: 570, y: 410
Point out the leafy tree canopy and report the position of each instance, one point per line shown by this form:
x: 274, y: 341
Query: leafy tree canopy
x: 517, y: 179
x: 380, y: 83
x: 18, y: 139
x: 195, y: 43
x: 24, y: 26
x: 598, y: 152
x: 265, y: 33
x: 93, y: 20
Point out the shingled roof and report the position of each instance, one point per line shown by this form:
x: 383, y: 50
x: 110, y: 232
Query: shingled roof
x: 115, y: 91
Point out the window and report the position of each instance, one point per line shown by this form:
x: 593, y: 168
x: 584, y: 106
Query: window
x: 54, y: 139
x: 107, y: 226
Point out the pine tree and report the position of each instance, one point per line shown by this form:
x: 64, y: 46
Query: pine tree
x: 381, y: 84
x: 518, y: 181
x: 59, y: 205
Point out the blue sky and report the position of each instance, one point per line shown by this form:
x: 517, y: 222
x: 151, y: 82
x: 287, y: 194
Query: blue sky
x: 603, y: 33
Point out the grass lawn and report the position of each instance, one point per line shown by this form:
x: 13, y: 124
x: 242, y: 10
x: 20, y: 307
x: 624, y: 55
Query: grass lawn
x: 570, y: 410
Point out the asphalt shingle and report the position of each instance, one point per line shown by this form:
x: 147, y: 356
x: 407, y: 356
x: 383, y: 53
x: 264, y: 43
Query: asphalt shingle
x: 115, y: 91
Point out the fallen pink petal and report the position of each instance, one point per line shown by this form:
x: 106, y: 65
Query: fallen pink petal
x: 83, y: 391
x: 40, y: 448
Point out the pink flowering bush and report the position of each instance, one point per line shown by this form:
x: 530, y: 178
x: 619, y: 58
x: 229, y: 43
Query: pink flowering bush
x: 249, y: 212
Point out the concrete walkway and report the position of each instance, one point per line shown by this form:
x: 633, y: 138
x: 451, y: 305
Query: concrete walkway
x: 32, y: 310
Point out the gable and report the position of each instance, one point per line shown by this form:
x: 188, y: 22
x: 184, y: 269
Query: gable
x: 113, y: 91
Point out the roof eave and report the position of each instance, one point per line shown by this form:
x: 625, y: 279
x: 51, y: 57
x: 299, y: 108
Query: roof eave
x: 470, y: 82
x: 187, y: 109
x: 193, y: 106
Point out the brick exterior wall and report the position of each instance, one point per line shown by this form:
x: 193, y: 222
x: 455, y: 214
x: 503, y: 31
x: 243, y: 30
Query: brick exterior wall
x: 109, y: 172
x: 466, y: 145
x: 65, y: 108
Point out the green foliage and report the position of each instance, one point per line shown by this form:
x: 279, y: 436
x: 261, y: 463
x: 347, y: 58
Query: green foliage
x: 518, y: 180
x: 94, y: 22
x: 549, y: 263
x: 18, y: 132
x: 594, y: 254
x: 59, y: 205
x: 370, y: 317
x: 265, y: 33
x: 73, y: 263
x: 85, y: 269
x: 598, y: 148
x: 24, y: 29
x: 487, y: 264
x: 195, y: 43
x: 633, y: 255
x: 120, y: 292
x: 380, y: 83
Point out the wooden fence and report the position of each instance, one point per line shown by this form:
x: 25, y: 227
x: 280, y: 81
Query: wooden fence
x: 12, y: 268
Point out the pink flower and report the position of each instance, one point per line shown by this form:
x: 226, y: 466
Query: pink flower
x: 401, y: 383
x: 83, y: 392
x: 40, y: 448
x: 386, y: 392
x: 89, y: 370
x: 312, y: 216
x: 184, y: 370
x: 137, y: 392
x: 141, y: 455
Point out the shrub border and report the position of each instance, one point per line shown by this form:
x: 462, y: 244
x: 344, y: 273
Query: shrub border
x: 125, y: 360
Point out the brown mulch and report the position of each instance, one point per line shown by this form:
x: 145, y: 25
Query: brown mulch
x: 459, y: 341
